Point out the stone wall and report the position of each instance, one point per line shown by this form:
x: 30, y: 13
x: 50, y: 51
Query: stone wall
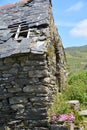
x: 59, y: 51
x: 27, y: 83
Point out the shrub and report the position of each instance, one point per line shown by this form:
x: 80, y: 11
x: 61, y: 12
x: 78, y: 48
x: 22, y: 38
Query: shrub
x: 75, y: 92
x: 77, y: 87
x: 80, y: 76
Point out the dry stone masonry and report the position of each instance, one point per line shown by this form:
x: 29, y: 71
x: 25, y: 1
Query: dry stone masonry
x: 32, y: 64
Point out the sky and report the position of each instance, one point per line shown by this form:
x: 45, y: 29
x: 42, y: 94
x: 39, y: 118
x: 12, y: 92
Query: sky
x: 71, y: 20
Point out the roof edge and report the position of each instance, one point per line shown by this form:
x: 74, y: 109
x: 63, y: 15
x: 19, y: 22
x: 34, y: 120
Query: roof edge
x: 50, y: 2
x: 12, y: 4
x: 19, y: 2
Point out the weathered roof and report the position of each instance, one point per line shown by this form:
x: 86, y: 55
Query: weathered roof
x: 25, y: 15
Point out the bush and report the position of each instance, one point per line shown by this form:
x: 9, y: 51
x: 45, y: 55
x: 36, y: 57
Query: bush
x: 77, y: 87
x: 80, y: 76
x: 75, y: 92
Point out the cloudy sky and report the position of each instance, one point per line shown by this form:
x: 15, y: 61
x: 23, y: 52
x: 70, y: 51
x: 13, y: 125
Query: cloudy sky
x: 71, y: 20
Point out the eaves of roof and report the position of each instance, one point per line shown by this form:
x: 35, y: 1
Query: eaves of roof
x: 12, y: 4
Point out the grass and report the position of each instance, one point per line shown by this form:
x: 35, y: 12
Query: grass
x: 76, y: 58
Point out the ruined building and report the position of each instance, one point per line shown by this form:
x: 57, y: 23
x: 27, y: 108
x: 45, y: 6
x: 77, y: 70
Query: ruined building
x: 32, y: 66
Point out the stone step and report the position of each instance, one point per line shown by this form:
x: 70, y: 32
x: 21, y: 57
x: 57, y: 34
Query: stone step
x: 83, y: 112
x: 75, y: 104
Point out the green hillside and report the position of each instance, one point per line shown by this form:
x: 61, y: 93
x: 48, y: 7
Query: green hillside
x: 76, y: 58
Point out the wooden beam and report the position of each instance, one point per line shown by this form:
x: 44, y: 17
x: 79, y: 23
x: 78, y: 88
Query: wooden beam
x: 18, y: 31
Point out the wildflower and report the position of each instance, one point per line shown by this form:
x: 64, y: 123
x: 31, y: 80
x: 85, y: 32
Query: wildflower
x: 71, y: 117
x: 54, y: 117
x: 63, y: 117
x: 67, y: 117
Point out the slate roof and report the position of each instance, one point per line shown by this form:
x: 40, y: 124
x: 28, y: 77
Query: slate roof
x: 27, y: 14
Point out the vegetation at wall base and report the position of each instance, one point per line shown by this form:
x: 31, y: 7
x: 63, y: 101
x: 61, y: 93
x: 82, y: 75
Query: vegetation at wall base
x: 61, y: 107
x: 75, y: 90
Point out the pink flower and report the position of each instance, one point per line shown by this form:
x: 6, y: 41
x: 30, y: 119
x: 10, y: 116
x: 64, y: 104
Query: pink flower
x: 67, y: 117
x: 71, y: 116
x: 54, y: 117
x: 64, y: 117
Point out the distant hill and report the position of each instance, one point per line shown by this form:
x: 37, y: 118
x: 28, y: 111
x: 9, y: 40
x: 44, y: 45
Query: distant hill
x: 76, y: 58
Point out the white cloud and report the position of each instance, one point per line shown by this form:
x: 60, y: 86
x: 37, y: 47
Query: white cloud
x: 80, y: 30
x: 75, y: 7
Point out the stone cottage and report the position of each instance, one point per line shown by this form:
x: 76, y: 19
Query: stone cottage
x: 32, y: 64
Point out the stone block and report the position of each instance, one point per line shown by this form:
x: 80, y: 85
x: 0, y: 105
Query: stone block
x: 14, y: 89
x: 13, y: 71
x: 75, y: 104
x: 38, y: 73
x: 83, y: 113
x: 19, y: 108
x: 40, y: 128
x: 58, y: 127
x: 6, y: 75
x: 16, y: 100
x: 29, y: 89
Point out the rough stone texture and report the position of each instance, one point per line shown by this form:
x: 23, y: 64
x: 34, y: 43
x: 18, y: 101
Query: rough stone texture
x: 60, y: 54
x: 58, y: 127
x: 79, y: 128
x: 75, y: 104
x: 31, y: 68
x: 83, y: 112
x: 25, y: 93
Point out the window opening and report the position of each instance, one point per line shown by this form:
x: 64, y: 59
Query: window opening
x: 20, y: 31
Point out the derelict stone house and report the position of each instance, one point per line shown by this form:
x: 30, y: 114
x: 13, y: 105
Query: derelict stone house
x: 31, y: 64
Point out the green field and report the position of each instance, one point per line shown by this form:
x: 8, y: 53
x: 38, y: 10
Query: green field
x: 76, y: 58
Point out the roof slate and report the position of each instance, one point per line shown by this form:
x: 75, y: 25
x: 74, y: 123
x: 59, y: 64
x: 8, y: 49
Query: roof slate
x: 31, y: 13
